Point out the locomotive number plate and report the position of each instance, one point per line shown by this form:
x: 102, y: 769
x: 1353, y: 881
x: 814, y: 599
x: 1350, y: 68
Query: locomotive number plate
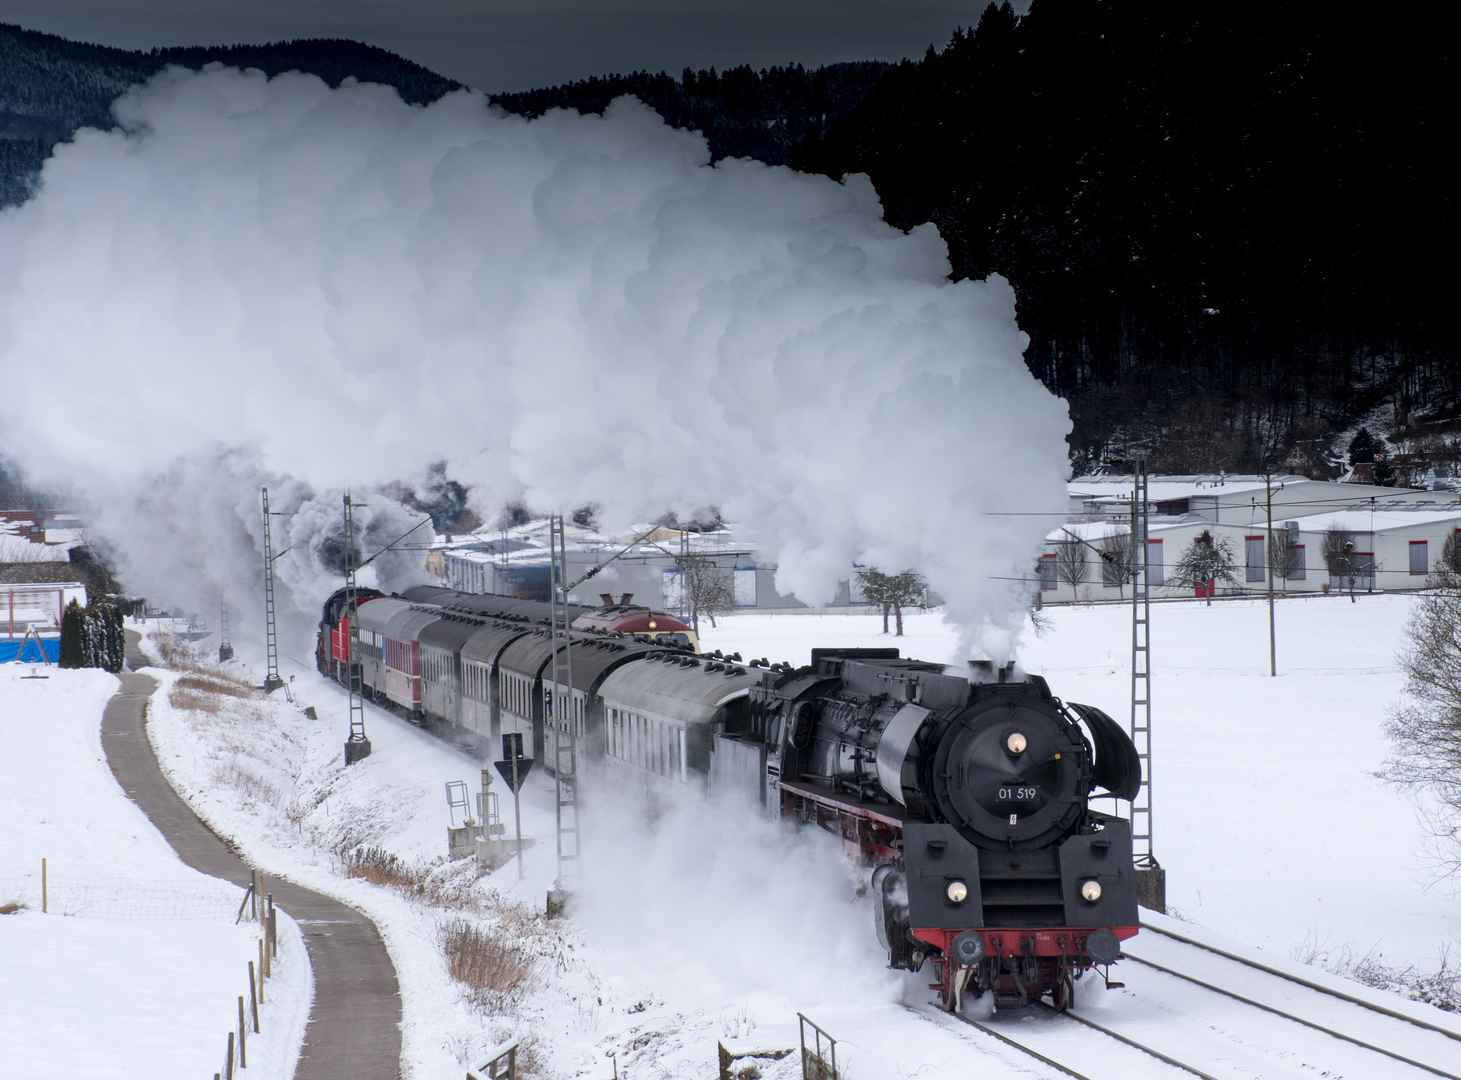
x: 1019, y: 793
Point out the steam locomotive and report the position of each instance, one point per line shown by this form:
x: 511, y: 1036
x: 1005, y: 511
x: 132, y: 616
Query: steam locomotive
x: 968, y: 793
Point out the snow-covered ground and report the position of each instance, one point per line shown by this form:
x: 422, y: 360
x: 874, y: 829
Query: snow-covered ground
x: 711, y: 927
x: 136, y: 969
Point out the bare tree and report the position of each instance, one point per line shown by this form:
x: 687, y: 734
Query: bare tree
x: 1450, y: 560
x: 1118, y: 560
x: 1071, y: 566
x: 1425, y: 731
x: 1206, y: 562
x: 709, y: 589
x: 1284, y: 555
x: 893, y: 592
x: 1339, y: 558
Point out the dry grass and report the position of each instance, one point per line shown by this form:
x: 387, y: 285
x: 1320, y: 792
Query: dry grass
x: 453, y: 887
x: 380, y: 867
x: 489, y: 962
x: 193, y: 701
x: 10, y: 907
x: 211, y: 682
x: 202, y: 690
x: 256, y: 788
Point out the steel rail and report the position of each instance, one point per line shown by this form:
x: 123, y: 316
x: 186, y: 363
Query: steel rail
x: 988, y: 1030
x: 1296, y: 1019
x: 1300, y: 980
x: 1127, y: 1040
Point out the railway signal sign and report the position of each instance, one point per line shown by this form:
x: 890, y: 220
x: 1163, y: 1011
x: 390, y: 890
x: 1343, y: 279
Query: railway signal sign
x: 514, y: 771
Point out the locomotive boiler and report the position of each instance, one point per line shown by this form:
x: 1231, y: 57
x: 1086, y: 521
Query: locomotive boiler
x: 970, y: 794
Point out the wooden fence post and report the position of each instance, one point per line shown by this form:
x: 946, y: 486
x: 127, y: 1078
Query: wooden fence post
x: 263, y: 968
x: 45, y: 898
x: 228, y: 1060
x: 254, y: 895
x: 243, y: 1037
x: 273, y: 929
x: 253, y: 997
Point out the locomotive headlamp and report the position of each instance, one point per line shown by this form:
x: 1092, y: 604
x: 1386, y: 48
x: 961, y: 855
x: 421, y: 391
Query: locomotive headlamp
x: 1091, y: 891
x: 1016, y: 743
x: 957, y: 892
x: 653, y: 625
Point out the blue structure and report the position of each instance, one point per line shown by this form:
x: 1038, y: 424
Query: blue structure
x: 24, y: 651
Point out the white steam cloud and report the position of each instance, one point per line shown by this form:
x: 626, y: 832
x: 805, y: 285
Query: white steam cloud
x: 341, y: 288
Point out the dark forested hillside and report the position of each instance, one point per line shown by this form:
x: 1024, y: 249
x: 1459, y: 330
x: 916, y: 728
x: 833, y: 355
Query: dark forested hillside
x: 766, y: 115
x: 50, y: 86
x: 1229, y: 228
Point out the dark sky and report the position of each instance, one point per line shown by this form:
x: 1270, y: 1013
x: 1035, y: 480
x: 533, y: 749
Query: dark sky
x: 513, y: 44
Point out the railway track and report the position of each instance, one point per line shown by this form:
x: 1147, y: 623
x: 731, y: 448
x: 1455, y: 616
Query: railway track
x: 1435, y: 1052
x: 1059, y: 1020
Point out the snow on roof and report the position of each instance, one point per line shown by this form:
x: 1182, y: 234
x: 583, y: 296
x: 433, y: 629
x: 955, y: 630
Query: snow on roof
x: 1168, y: 488
x: 528, y: 543
x: 1089, y: 531
x: 38, y: 573
x: 1366, y: 521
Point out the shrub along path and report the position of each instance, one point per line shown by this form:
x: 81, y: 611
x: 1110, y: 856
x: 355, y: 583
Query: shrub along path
x: 354, y: 1027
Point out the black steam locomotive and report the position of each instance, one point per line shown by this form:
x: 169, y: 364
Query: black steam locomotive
x: 971, y: 795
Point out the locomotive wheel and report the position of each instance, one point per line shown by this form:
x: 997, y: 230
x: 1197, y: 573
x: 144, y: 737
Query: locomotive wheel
x: 1062, y: 996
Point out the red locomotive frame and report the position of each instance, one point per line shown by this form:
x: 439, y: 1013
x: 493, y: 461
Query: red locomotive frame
x: 873, y: 832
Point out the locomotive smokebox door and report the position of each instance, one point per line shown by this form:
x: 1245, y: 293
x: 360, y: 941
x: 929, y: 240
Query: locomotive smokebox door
x: 943, y: 878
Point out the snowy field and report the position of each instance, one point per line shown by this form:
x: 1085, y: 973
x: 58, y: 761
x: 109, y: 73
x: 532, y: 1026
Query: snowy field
x: 697, y: 933
x: 136, y: 969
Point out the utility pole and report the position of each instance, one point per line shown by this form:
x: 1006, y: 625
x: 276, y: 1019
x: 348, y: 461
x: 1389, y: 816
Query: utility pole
x: 272, y: 681
x: 1268, y: 553
x: 562, y: 715
x: 1151, y: 879
x: 357, y: 746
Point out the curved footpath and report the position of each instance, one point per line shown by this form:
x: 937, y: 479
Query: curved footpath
x: 354, y: 1028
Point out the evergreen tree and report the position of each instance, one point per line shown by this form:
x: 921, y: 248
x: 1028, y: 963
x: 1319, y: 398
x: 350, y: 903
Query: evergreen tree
x: 73, y: 636
x: 1362, y: 448
x: 1205, y: 563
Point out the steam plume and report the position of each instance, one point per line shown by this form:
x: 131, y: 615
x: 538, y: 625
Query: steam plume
x: 340, y: 288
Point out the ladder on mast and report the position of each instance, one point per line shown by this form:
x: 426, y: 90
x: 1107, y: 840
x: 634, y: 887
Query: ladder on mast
x: 1150, y: 877
x: 562, y: 708
x: 357, y: 746
x: 272, y: 681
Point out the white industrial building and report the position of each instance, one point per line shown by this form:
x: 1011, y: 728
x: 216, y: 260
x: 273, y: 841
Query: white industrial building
x: 1334, y: 537
x: 514, y: 562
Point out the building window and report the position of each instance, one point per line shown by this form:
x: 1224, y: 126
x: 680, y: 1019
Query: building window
x: 1156, y: 568
x: 1297, y: 568
x: 1419, y: 557
x: 1254, y: 547
x: 745, y: 586
x: 1046, y: 569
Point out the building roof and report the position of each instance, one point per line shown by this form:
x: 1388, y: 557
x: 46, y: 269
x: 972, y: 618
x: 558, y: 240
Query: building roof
x: 1367, y: 521
x: 38, y: 573
x: 1169, y: 488
x: 1089, y: 531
